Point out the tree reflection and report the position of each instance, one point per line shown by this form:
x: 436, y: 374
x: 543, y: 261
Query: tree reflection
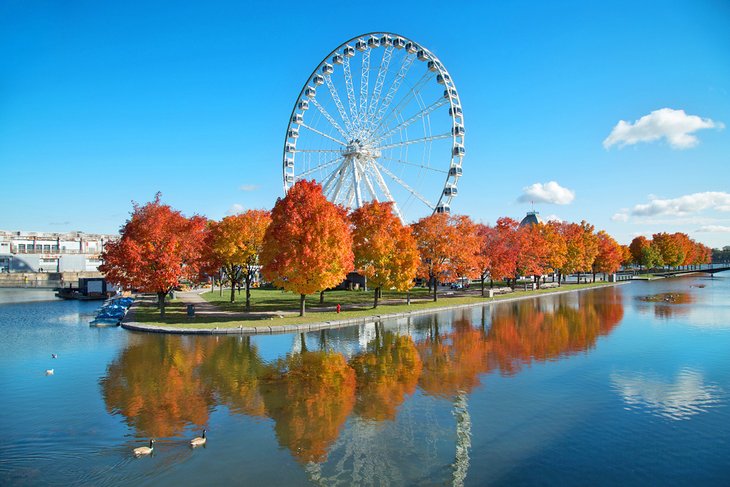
x: 233, y: 370
x: 528, y: 330
x: 309, y: 396
x: 452, y: 362
x: 387, y: 371
x: 154, y: 385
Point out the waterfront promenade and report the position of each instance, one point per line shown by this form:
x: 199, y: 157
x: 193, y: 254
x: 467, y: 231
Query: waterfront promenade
x: 212, y: 319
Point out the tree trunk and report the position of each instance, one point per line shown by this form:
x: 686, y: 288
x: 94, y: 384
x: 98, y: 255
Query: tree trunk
x: 491, y: 283
x: 435, y: 286
x: 377, y: 295
x: 578, y: 278
x: 482, y: 285
x: 248, y: 293
x: 408, y: 297
x: 161, y: 303
x: 594, y: 277
x: 301, y: 304
x: 233, y: 292
x: 321, y: 297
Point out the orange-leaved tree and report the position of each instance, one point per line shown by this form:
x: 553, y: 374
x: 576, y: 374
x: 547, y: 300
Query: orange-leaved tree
x: 504, y: 247
x: 636, y: 247
x: 542, y: 250
x: 609, y: 257
x: 308, y: 245
x: 385, y: 251
x: 466, y: 261
x: 158, y: 247
x: 436, y: 237
x: 236, y: 244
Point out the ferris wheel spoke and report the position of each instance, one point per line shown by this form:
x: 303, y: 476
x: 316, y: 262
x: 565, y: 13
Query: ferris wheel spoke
x: 350, y: 91
x: 319, y: 167
x: 330, y: 178
x: 322, y: 133
x: 429, y: 138
x: 379, y: 81
x: 356, y: 179
x: 329, y: 118
x: 384, y: 187
x: 338, y: 102
x: 403, y: 102
x: 402, y: 73
x: 426, y: 111
x: 404, y: 185
x: 317, y: 150
x: 364, y: 80
x: 401, y: 161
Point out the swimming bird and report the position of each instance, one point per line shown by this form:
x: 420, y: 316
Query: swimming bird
x: 144, y: 450
x: 53, y: 355
x: 199, y: 441
x: 49, y: 371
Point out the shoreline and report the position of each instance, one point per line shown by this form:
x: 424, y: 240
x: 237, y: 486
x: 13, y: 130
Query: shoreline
x: 128, y: 322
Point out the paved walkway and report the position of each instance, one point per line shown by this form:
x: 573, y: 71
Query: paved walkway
x: 205, y: 308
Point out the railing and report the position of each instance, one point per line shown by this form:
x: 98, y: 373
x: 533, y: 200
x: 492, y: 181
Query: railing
x: 15, y: 250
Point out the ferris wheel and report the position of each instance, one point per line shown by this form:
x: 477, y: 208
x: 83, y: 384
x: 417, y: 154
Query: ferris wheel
x: 378, y: 119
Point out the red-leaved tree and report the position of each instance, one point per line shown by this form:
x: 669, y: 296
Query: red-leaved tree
x: 158, y: 247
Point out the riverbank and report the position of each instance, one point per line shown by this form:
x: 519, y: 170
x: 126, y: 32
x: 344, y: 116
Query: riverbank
x: 144, y: 316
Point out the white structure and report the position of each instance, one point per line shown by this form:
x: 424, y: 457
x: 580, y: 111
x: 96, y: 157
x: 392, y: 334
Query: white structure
x: 378, y: 119
x: 51, y: 252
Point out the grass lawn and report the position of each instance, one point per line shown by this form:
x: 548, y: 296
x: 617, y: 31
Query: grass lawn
x: 359, y: 306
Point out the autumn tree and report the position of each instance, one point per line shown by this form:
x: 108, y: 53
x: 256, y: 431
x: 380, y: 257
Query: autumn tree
x: 609, y: 257
x: 575, y: 249
x: 590, y: 247
x: 385, y: 251
x: 542, y: 250
x: 626, y: 257
x: 669, y: 248
x: 236, y: 244
x: 636, y: 247
x: 446, y: 247
x: 158, y: 248
x: 503, y: 247
x: 465, y: 261
x: 308, y: 245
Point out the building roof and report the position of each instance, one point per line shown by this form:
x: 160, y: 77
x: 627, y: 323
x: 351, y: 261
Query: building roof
x: 532, y: 218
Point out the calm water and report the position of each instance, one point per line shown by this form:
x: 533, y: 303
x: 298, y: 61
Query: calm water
x: 626, y: 385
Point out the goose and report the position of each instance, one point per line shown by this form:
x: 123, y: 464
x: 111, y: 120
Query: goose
x: 53, y: 355
x: 144, y: 450
x: 49, y: 371
x: 199, y: 441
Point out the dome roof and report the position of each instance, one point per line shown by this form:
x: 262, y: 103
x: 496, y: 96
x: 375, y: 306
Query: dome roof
x: 532, y: 218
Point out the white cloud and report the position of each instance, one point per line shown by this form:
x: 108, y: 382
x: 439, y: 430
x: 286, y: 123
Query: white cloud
x: 674, y: 125
x: 684, y: 205
x: 714, y: 229
x: 248, y: 187
x: 550, y: 192
x: 554, y: 218
x: 621, y: 216
x: 235, y: 209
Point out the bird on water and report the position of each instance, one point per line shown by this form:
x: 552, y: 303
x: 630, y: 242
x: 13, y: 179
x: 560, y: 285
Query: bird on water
x: 198, y: 441
x: 144, y: 450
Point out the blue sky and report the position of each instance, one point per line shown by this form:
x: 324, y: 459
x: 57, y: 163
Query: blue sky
x: 102, y: 103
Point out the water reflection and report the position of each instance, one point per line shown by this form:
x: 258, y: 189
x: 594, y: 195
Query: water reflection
x: 686, y: 396
x: 156, y: 386
x: 339, y: 381
x: 666, y: 305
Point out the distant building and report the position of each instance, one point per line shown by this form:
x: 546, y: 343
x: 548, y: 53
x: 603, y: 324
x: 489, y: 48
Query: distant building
x: 532, y: 218
x: 51, y: 252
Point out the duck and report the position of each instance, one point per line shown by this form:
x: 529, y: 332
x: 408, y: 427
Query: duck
x: 49, y: 371
x: 199, y: 441
x: 53, y: 355
x: 144, y: 450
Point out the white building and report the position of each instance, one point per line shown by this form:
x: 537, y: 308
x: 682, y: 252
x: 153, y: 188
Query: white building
x: 51, y: 252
